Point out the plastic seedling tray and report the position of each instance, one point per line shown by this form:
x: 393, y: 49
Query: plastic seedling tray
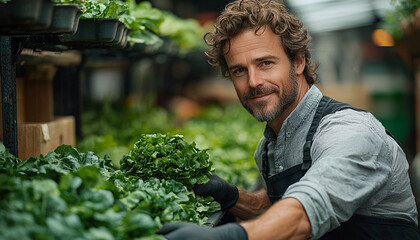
x: 121, y: 37
x: 119, y: 34
x: 22, y: 27
x: 86, y: 32
x: 123, y: 42
x: 93, y: 33
x: 107, y: 29
x: 19, y: 14
x: 214, y: 219
x: 45, y: 16
x: 94, y: 30
x: 65, y: 19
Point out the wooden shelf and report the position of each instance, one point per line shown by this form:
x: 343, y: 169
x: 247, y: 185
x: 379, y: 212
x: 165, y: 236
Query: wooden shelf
x: 67, y: 58
x: 38, y: 130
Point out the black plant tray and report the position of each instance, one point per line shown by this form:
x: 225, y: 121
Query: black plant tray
x: 21, y: 17
x: 97, y: 33
x: 65, y: 19
x: 215, y: 219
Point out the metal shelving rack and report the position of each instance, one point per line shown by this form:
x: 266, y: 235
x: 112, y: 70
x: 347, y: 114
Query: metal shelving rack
x: 30, y: 24
x: 10, y: 49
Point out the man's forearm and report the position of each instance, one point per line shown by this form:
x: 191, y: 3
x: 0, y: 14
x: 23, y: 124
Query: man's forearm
x: 250, y: 204
x: 286, y: 219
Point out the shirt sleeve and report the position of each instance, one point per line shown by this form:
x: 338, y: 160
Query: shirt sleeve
x: 350, y: 163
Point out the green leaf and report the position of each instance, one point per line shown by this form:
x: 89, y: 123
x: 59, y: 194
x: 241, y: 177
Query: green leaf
x: 100, y: 233
x: 167, y: 157
x: 145, y: 37
x: 138, y: 224
x: 67, y: 150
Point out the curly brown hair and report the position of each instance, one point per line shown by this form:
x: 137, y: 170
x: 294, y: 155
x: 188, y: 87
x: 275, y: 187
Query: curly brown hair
x: 241, y: 15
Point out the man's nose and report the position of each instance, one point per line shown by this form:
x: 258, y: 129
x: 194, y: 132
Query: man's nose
x: 254, y: 79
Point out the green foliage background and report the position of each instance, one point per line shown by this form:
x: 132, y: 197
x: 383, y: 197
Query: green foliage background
x: 230, y: 134
x: 403, y: 9
x: 72, y: 195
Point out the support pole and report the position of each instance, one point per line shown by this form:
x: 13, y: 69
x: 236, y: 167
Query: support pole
x: 8, y: 93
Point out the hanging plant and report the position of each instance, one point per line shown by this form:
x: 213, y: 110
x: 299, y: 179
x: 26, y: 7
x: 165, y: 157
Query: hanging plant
x: 394, y: 19
x: 147, y: 24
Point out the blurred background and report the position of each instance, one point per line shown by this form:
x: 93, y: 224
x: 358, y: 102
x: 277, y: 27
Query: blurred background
x: 366, y: 50
x: 363, y: 59
x: 368, y: 53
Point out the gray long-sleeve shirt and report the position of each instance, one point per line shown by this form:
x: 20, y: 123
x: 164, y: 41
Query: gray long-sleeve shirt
x: 356, y: 166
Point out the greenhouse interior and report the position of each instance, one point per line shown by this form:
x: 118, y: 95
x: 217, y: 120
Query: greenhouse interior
x: 112, y: 112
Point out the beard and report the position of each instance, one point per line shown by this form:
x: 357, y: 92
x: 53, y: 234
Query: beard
x: 287, y: 96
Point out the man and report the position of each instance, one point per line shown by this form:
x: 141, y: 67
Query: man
x: 330, y: 170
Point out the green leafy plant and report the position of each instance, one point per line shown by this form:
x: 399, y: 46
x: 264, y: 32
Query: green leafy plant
x: 79, y: 2
x: 103, y: 9
x: 403, y: 9
x: 166, y: 156
x: 185, y: 33
x: 229, y: 133
x: 144, y: 21
x: 99, y: 8
x: 72, y: 195
x: 147, y: 24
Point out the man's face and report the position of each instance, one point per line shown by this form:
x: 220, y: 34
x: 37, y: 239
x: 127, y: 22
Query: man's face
x: 264, y: 78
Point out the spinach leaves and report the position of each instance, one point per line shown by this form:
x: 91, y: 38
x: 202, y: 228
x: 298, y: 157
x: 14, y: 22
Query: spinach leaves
x: 72, y: 195
x: 167, y: 157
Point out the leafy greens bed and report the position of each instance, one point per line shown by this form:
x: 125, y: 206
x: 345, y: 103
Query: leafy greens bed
x: 72, y: 195
x: 230, y: 134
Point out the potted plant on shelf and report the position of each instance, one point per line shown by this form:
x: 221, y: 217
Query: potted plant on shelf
x: 24, y: 15
x: 65, y: 18
x: 403, y: 23
x: 99, y: 25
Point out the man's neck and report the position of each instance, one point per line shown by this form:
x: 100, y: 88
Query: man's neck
x: 278, y: 121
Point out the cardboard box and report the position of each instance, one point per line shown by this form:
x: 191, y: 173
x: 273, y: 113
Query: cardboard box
x: 38, y: 94
x: 35, y: 139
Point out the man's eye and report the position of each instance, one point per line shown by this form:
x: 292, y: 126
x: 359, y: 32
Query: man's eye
x: 266, y: 63
x: 239, y: 71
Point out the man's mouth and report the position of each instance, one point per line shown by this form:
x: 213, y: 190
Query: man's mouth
x: 258, y: 94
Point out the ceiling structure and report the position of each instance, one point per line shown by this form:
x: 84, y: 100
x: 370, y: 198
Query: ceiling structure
x: 317, y: 15
x: 332, y: 15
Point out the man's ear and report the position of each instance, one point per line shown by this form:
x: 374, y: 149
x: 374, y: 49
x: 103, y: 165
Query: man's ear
x: 299, y: 63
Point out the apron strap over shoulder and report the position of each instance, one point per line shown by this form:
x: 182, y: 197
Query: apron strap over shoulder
x: 326, y: 106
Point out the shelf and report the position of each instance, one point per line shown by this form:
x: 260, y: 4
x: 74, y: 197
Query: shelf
x: 19, y: 16
x: 67, y: 58
x: 65, y: 19
x: 38, y: 17
x: 97, y: 33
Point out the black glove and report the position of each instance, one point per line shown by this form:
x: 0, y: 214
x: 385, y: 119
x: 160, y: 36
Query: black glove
x: 223, y: 192
x: 191, y: 231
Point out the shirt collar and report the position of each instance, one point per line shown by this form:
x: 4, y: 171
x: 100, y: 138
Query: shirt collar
x: 297, y: 116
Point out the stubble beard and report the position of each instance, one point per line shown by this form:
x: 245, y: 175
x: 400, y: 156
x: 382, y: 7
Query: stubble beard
x: 288, y: 96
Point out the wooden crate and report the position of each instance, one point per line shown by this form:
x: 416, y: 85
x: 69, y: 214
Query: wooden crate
x: 40, y: 138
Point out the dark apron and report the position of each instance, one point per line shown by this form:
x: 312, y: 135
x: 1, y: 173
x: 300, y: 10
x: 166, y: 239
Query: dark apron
x: 358, y: 226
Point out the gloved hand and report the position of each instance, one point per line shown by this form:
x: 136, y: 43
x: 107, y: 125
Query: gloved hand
x: 223, y: 192
x: 191, y: 231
